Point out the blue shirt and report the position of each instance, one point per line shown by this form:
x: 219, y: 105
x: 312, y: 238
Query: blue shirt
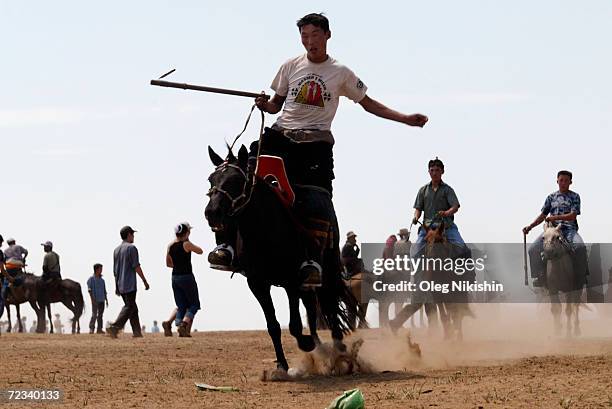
x: 124, y: 267
x: 97, y: 288
x: 558, y: 203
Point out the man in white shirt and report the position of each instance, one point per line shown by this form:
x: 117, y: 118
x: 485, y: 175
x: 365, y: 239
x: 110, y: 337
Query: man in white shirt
x: 307, y: 89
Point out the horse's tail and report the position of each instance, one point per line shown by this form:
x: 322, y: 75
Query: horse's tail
x: 79, y: 304
x: 337, y: 304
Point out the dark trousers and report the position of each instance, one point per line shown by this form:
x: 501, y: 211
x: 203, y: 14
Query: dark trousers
x: 129, y: 312
x: 186, y: 296
x: 97, y: 310
x: 307, y: 164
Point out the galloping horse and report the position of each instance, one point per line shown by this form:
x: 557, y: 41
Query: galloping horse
x: 452, y: 306
x: 266, y: 226
x: 561, y: 276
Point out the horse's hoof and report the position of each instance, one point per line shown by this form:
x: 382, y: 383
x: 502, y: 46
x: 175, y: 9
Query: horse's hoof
x: 339, y: 345
x: 276, y: 375
x: 306, y: 343
x: 295, y: 373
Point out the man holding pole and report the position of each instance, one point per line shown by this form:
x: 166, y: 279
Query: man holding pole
x: 307, y: 90
x: 560, y: 208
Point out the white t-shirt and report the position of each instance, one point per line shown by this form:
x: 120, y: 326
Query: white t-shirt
x: 313, y: 91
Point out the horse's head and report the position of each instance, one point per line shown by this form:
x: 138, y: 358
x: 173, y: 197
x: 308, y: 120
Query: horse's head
x: 435, y: 234
x: 435, y: 237
x: 228, y: 184
x: 554, y: 246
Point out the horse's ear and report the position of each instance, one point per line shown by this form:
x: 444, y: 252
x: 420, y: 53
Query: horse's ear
x: 216, y: 159
x: 243, y: 157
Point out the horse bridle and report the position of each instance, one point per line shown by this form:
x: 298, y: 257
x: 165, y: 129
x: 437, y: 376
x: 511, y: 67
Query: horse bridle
x: 234, y: 208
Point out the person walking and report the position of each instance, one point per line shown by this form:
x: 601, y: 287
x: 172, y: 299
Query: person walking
x: 125, y: 267
x: 184, y: 286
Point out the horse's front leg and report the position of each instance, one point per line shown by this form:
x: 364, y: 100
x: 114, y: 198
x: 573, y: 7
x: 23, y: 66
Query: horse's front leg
x: 8, y: 313
x: 37, y: 310
x: 310, y: 303
x: 577, y: 298
x: 50, y: 320
x: 305, y: 342
x: 555, y: 309
x: 19, y: 326
x: 262, y: 293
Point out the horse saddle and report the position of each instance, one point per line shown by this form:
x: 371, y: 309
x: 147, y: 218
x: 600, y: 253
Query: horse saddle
x: 271, y: 169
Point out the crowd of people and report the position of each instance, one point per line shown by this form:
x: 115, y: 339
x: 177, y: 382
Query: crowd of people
x: 126, y: 267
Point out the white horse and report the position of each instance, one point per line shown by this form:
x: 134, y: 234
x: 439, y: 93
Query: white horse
x: 560, y: 276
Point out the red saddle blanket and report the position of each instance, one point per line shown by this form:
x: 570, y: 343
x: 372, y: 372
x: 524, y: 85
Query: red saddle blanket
x: 272, y: 170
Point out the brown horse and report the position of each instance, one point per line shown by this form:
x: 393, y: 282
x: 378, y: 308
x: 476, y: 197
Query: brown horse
x: 451, y: 307
x: 356, y: 284
x: 68, y: 292
x: 27, y: 291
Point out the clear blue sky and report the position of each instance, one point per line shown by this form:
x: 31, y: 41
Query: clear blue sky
x: 515, y: 91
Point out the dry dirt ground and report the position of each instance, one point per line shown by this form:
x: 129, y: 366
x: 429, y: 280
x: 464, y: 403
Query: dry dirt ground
x: 498, y: 365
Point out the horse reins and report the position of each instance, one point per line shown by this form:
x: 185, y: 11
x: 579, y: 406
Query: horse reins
x: 235, y: 208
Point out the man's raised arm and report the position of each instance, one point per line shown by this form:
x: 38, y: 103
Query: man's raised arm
x: 376, y: 108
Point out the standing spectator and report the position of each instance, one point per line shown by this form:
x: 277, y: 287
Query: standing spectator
x: 125, y: 267
x: 23, y: 325
x: 184, y: 286
x: 33, y: 327
x: 57, y: 324
x: 97, y: 293
x: 402, y: 246
x: 155, y: 328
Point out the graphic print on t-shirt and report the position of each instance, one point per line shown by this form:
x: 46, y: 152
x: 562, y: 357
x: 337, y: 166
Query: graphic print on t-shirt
x: 312, y: 91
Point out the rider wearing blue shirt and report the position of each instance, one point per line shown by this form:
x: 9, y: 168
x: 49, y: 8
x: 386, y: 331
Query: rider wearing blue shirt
x: 560, y: 208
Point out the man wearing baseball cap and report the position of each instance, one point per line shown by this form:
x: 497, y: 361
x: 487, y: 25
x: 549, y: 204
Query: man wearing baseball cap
x: 125, y: 267
x: 51, y: 263
x: 14, y: 262
x: 350, y: 255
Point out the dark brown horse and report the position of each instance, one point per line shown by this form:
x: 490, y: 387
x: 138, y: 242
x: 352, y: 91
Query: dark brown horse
x: 68, y: 292
x: 26, y: 291
x: 265, y: 226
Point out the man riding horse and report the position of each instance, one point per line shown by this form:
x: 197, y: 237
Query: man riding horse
x: 14, y: 262
x: 438, y: 203
x: 307, y: 89
x: 561, y: 208
x: 353, y: 265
